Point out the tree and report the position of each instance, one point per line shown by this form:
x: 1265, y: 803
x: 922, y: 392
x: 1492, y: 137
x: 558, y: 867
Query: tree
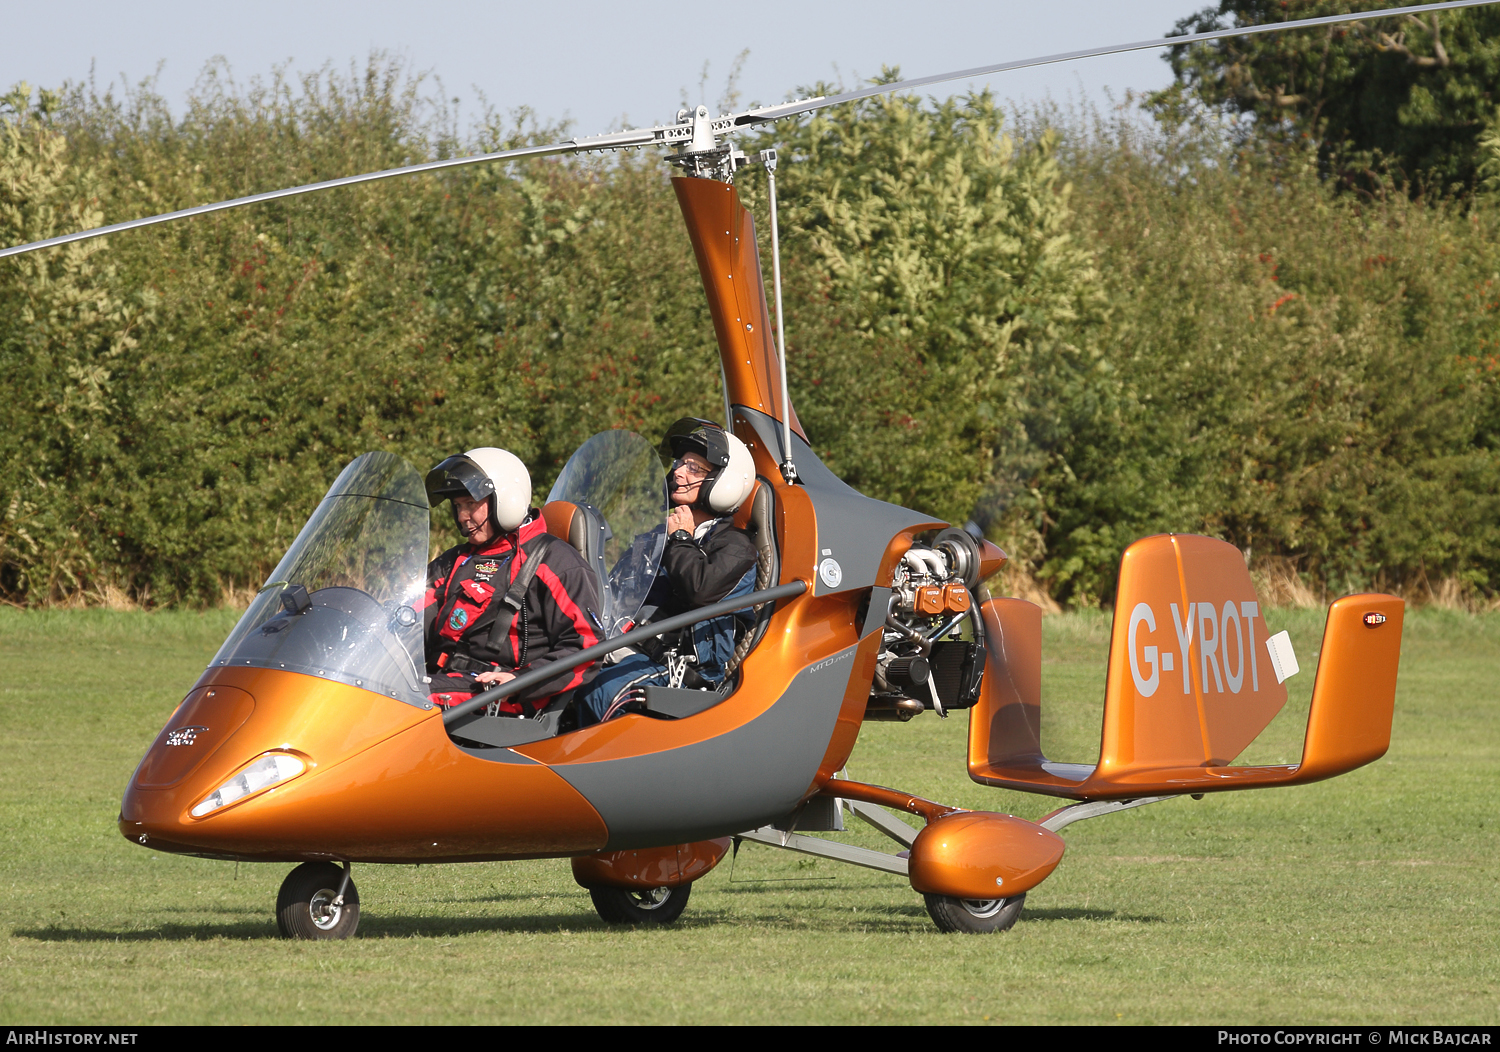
x: 1413, y: 92
x: 929, y: 269
x: 63, y: 331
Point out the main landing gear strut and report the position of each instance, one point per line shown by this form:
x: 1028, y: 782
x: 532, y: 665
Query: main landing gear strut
x: 949, y: 913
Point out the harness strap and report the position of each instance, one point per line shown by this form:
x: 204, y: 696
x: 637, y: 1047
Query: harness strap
x: 514, y: 600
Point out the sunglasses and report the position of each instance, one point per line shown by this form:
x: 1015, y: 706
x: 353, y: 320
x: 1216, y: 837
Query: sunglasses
x: 694, y: 470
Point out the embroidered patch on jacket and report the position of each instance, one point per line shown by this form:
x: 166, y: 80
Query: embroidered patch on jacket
x: 459, y: 618
x: 479, y: 591
x: 488, y: 566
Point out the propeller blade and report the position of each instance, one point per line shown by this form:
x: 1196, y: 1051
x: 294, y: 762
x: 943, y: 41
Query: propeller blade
x: 793, y: 109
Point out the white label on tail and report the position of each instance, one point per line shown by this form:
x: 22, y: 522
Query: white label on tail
x: 1283, y: 658
x: 1145, y: 685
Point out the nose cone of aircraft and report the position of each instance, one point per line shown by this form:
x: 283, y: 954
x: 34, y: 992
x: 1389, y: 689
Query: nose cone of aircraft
x: 240, y: 748
x: 279, y: 766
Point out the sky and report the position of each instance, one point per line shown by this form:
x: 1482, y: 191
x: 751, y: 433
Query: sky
x: 599, y: 65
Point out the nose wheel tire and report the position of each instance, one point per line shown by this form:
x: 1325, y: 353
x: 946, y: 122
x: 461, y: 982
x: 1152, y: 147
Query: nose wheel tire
x: 307, y: 906
x: 656, y: 906
x: 974, y: 916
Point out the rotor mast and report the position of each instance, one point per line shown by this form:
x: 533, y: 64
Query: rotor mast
x: 723, y: 236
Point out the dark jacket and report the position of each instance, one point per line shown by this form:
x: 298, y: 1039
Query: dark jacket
x: 470, y: 629
x: 695, y: 573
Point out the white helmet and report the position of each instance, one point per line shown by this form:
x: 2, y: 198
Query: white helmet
x: 489, y: 474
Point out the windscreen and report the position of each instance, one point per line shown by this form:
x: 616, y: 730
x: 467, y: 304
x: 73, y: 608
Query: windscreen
x: 621, y: 477
x: 341, y: 603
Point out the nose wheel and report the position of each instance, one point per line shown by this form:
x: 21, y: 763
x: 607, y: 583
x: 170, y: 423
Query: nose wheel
x: 318, y: 900
x: 654, y: 906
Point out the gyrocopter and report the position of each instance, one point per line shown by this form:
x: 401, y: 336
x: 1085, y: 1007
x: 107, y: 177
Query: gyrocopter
x: 311, y: 738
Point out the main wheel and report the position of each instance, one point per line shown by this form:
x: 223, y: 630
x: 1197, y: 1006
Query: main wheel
x: 974, y: 916
x: 657, y: 906
x: 305, y: 907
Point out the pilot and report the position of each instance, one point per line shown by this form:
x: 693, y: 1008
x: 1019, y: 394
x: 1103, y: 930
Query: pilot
x: 510, y: 599
x: 707, y: 559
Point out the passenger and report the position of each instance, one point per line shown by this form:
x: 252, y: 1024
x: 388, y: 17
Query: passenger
x: 707, y: 559
x: 512, y: 598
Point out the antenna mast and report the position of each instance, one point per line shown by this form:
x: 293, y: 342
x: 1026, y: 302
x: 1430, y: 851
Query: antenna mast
x: 788, y: 469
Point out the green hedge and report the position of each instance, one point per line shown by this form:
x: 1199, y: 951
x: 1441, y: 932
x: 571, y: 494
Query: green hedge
x: 1075, y: 338
x: 1309, y: 375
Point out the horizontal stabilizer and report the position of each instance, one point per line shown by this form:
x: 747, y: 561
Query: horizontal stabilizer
x: 1194, y: 676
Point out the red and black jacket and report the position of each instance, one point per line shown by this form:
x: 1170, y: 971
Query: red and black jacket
x: 470, y: 628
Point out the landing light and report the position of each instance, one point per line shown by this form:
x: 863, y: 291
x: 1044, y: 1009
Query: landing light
x: 265, y: 772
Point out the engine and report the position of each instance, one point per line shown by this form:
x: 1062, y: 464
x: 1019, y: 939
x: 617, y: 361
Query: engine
x: 925, y: 661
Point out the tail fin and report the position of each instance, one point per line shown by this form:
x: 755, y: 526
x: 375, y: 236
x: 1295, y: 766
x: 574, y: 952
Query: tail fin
x: 1190, y: 681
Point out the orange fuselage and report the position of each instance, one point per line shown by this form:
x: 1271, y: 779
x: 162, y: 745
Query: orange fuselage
x: 383, y: 781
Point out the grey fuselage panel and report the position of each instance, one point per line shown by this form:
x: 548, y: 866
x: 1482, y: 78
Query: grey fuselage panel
x: 853, y: 530
x: 740, y: 780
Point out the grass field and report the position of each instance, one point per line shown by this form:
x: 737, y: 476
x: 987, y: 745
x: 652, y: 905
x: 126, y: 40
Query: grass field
x: 1371, y: 898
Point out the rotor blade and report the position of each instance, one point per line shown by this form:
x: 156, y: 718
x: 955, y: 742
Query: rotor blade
x: 614, y: 141
x: 793, y: 109
x: 682, y: 134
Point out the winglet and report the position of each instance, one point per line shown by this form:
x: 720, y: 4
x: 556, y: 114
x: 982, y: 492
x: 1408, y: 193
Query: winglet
x: 1354, y: 697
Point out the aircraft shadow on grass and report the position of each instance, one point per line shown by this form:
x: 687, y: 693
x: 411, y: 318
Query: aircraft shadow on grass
x: 390, y: 927
x: 1067, y: 913
x: 898, y: 918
